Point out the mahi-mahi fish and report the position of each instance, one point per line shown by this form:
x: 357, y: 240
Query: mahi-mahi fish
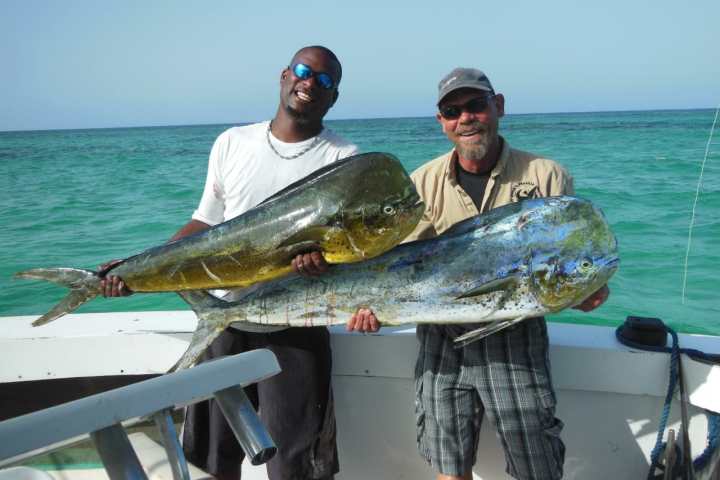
x: 350, y: 210
x: 515, y: 262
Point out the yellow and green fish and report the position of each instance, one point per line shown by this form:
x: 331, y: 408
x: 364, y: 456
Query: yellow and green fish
x: 351, y: 210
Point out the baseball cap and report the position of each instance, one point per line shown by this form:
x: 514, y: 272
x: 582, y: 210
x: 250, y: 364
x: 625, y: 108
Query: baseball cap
x: 463, y: 78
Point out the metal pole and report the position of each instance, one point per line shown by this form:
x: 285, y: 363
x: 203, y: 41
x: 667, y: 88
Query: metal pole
x: 117, y: 454
x: 245, y: 423
x: 176, y: 457
x: 670, y: 456
x: 688, y: 471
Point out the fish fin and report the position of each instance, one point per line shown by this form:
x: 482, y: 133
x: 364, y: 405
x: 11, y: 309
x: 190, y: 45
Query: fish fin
x: 84, y: 285
x: 483, y: 220
x: 253, y: 327
x: 307, y: 239
x: 482, y: 332
x: 322, y: 171
x: 497, y: 285
x: 200, y: 300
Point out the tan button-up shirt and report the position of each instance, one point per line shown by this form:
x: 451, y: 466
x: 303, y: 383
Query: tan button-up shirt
x: 517, y: 175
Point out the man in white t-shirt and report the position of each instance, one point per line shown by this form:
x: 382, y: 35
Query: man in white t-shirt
x: 247, y: 165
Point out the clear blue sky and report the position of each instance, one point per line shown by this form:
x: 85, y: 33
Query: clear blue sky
x: 77, y: 64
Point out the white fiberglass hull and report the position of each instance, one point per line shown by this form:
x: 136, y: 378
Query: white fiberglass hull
x: 609, y: 397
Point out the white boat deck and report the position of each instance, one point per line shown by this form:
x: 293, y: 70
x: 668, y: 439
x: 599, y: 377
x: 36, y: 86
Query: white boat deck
x: 609, y: 396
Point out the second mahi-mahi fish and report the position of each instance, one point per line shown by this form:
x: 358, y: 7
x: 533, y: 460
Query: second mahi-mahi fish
x: 515, y: 262
x: 351, y: 210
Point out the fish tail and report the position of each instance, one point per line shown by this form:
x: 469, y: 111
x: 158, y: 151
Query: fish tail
x: 213, y: 319
x: 210, y: 308
x: 84, y: 285
x: 202, y: 304
x: 201, y: 339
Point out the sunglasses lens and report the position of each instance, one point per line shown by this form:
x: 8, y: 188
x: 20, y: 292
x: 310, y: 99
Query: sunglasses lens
x: 302, y: 71
x: 450, y: 112
x: 477, y: 105
x: 325, y: 81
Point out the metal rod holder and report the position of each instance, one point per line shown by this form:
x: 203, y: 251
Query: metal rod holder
x: 117, y: 454
x: 245, y: 423
x: 173, y: 449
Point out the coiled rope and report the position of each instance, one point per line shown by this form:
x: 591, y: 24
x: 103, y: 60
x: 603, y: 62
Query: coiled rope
x: 713, y: 435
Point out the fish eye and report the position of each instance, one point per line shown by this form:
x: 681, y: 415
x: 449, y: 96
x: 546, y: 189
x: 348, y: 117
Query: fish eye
x: 388, y: 209
x: 586, y: 263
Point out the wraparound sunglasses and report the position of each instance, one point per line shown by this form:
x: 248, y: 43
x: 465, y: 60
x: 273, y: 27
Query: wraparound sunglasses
x: 476, y: 105
x: 303, y: 72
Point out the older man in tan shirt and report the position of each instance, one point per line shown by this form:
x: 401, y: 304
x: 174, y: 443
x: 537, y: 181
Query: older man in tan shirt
x: 516, y: 175
x: 505, y: 375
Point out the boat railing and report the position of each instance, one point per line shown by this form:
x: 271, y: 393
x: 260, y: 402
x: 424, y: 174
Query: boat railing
x: 105, y: 416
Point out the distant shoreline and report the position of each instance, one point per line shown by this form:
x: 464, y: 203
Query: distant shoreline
x: 334, y: 120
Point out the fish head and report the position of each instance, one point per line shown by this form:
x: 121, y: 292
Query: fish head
x: 382, y: 209
x: 577, y: 258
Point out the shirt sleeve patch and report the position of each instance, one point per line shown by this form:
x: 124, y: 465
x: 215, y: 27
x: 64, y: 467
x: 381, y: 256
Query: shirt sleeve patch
x: 524, y: 190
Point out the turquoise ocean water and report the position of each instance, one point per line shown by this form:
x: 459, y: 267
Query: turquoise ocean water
x: 81, y: 197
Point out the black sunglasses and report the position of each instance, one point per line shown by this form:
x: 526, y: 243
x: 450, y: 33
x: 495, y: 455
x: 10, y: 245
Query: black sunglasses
x: 303, y: 72
x: 476, y: 105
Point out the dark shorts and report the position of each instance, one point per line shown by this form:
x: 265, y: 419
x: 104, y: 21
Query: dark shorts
x: 505, y: 376
x: 295, y: 406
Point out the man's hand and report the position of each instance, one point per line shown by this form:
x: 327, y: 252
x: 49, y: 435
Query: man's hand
x: 594, y: 300
x: 110, y: 285
x: 310, y: 264
x: 364, y: 320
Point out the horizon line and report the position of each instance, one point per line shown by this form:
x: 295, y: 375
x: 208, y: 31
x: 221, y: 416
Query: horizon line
x: 125, y: 127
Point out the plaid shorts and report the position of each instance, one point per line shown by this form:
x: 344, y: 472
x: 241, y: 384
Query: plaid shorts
x: 507, y: 377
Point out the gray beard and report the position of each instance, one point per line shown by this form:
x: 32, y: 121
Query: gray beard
x: 472, y: 152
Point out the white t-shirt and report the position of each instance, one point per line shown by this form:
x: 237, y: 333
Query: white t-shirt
x: 243, y: 170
